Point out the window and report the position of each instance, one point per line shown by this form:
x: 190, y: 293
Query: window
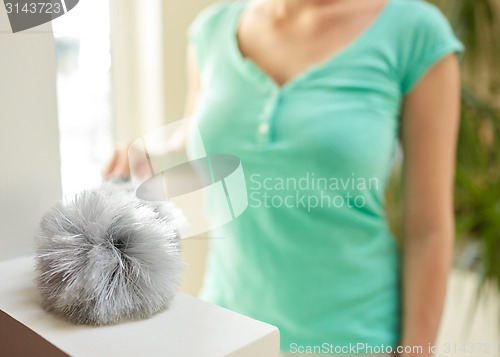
x: 84, y: 93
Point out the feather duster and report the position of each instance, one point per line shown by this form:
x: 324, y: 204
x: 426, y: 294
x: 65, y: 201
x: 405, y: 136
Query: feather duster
x: 105, y: 256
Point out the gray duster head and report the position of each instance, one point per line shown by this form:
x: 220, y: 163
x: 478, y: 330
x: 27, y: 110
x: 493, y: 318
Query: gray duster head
x: 106, y: 256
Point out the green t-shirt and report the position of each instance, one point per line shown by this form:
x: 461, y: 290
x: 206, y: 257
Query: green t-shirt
x: 312, y: 253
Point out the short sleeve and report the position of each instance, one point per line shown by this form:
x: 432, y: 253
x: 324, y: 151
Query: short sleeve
x: 430, y: 39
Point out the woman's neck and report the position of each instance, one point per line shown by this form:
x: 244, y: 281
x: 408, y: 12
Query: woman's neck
x: 285, y: 8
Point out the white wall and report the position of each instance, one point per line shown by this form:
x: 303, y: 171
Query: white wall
x: 137, y: 67
x: 29, y: 141
x: 177, y: 16
x: 468, y: 321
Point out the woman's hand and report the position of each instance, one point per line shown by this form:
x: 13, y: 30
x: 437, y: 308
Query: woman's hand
x: 118, y: 165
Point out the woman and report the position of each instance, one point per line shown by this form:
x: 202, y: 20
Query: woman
x: 313, y: 96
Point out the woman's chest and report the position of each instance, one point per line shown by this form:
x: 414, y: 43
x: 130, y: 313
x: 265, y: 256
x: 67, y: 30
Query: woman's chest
x: 318, y: 126
x: 285, y: 47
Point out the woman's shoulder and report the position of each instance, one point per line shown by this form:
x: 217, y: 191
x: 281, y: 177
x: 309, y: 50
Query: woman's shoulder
x: 208, y: 33
x: 418, y: 22
x: 214, y: 15
x: 415, y: 12
x: 421, y: 35
x: 415, y: 6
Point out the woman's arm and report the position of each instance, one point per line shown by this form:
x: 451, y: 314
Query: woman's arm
x: 193, y: 88
x: 430, y: 125
x: 193, y: 83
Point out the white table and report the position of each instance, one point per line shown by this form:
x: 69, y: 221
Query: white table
x: 190, y: 327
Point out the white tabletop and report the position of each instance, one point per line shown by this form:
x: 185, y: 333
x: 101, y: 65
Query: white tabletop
x: 190, y: 327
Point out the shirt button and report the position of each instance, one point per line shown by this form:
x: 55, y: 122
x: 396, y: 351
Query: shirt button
x: 264, y: 128
x: 268, y: 108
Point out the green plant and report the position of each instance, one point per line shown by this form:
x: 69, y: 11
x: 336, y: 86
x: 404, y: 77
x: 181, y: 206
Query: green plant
x: 477, y: 184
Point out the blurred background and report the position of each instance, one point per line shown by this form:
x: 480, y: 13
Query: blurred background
x: 121, y: 72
